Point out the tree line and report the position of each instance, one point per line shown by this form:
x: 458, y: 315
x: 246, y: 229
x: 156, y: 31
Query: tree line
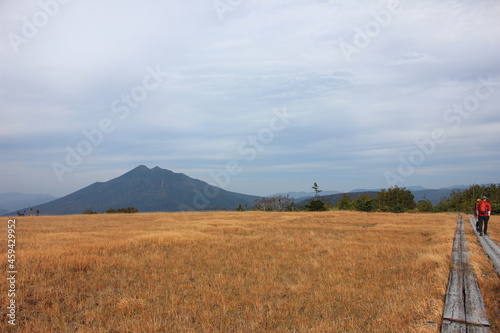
x: 465, y: 200
x: 395, y: 199
x: 127, y: 210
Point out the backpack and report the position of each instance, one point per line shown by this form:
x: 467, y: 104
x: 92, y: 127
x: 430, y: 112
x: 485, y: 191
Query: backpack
x: 482, y: 207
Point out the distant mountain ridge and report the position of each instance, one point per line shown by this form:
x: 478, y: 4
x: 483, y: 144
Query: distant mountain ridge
x: 148, y: 190
x: 434, y: 196
x: 332, y: 197
x: 15, y: 201
x: 299, y: 196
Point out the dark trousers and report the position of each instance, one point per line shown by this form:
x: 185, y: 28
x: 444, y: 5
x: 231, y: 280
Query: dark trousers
x: 483, y: 220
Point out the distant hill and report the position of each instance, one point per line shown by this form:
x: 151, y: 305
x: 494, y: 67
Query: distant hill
x: 334, y: 199
x: 366, y: 190
x: 148, y: 190
x: 299, y: 196
x: 434, y: 196
x: 419, y: 192
x: 461, y: 187
x: 15, y: 201
x: 411, y: 188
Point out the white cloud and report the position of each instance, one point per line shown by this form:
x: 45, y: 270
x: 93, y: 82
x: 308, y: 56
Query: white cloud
x: 226, y: 76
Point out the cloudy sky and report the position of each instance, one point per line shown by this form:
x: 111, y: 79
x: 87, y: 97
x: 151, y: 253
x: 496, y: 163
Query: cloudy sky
x: 255, y: 96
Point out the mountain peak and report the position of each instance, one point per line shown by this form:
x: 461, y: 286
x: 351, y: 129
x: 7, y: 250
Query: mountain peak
x: 138, y: 170
x: 148, y: 190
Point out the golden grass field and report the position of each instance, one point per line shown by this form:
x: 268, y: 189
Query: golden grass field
x: 239, y: 272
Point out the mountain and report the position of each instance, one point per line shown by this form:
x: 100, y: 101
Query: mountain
x: 148, y: 190
x: 12, y: 201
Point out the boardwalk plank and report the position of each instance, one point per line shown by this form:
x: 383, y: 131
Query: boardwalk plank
x: 456, y: 259
x: 495, y: 248
x: 464, y: 307
x: 454, y: 307
x: 474, y: 306
x: 453, y: 327
x: 489, y: 246
x: 478, y: 329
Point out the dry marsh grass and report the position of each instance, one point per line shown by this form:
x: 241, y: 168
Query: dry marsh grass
x: 233, y: 272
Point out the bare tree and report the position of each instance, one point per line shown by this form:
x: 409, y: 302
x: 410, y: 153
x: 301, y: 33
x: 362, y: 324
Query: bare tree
x: 316, y: 189
x: 279, y: 203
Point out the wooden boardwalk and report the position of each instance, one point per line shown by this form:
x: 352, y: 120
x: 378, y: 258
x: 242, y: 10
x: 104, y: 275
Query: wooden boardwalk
x: 489, y: 246
x: 464, y: 307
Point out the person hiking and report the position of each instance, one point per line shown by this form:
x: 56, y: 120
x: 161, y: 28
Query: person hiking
x: 483, y: 212
x: 476, y: 218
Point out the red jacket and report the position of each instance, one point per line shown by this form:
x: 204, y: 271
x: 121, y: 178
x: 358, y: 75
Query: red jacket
x: 488, y: 208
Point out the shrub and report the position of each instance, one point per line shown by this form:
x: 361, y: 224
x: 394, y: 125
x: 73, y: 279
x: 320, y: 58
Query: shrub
x: 396, y: 200
x: 364, y: 203
x: 315, y: 206
x: 424, y: 206
x: 127, y: 210
x: 344, y: 203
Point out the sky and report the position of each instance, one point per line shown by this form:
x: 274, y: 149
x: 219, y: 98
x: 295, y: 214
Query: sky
x: 256, y: 97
